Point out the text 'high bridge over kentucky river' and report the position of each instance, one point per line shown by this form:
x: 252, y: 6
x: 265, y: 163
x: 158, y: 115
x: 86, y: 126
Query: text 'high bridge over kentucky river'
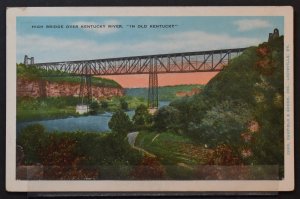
x: 187, y: 62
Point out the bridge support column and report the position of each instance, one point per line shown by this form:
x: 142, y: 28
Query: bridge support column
x: 85, y: 93
x: 153, y: 86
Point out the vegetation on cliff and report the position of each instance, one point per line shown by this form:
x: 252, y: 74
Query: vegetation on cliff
x: 33, y: 73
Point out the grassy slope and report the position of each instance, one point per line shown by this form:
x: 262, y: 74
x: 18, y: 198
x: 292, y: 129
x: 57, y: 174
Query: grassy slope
x: 177, y: 153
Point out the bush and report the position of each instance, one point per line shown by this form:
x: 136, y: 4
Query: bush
x: 32, y: 139
x: 120, y: 122
x: 149, y: 169
x: 104, y: 104
x: 123, y: 104
x: 142, y: 119
x: 223, y: 124
x: 166, y: 118
x: 94, y: 107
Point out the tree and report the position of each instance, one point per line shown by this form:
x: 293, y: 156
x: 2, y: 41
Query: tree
x: 94, y: 107
x: 104, y: 104
x: 223, y: 124
x: 142, y: 118
x: 120, y: 122
x: 32, y: 139
x: 166, y: 118
x: 123, y: 104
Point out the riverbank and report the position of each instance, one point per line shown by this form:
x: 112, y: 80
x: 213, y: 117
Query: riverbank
x: 32, y: 109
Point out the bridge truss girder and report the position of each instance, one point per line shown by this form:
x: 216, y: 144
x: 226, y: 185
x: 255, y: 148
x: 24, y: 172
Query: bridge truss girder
x: 203, y: 61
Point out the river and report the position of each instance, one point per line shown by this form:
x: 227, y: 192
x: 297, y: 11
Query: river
x: 91, y: 123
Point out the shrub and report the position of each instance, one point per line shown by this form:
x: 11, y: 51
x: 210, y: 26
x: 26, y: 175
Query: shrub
x: 120, y: 122
x: 104, y: 104
x: 123, y: 104
x: 142, y: 118
x: 94, y: 107
x: 32, y: 139
x: 62, y: 160
x: 223, y: 124
x: 166, y: 118
x: 149, y: 169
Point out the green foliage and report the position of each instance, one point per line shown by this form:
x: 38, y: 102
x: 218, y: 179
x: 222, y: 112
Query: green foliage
x: 103, y: 104
x: 58, y: 107
x: 185, y: 108
x: 142, y: 119
x: 31, y: 72
x: 120, y: 123
x: 166, y: 93
x: 223, y: 124
x: 249, y: 89
x: 166, y: 118
x: 45, y: 108
x: 78, y: 155
x: 32, y: 139
x: 94, y: 107
x: 177, y: 153
x: 123, y: 104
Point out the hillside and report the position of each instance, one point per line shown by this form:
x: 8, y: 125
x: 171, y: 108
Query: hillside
x: 241, y: 108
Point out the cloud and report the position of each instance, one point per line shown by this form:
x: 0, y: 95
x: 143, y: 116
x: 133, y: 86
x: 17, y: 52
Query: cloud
x: 99, y: 28
x: 251, y: 24
x: 48, y: 49
x: 190, y: 41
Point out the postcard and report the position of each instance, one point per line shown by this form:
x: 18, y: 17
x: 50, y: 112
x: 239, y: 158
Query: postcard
x: 149, y: 99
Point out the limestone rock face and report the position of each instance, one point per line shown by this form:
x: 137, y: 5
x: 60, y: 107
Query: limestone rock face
x: 38, y: 88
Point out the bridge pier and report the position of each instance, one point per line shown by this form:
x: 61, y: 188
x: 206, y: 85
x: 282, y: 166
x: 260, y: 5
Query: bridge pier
x: 85, y: 94
x: 153, y: 86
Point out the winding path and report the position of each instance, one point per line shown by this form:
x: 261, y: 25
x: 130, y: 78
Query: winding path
x: 131, y: 140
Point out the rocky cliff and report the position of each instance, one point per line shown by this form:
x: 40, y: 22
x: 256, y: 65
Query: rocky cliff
x: 39, y: 88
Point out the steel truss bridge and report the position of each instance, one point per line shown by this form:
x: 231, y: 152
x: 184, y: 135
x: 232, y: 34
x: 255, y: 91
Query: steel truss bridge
x: 187, y: 62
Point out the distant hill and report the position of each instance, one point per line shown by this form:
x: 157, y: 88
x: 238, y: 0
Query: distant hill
x: 166, y: 93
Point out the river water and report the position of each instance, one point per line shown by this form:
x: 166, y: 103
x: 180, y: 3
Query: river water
x: 91, y: 123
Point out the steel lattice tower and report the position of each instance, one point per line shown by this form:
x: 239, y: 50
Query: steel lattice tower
x: 153, y: 85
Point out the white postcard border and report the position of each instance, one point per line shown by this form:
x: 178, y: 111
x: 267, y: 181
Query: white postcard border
x: 12, y: 184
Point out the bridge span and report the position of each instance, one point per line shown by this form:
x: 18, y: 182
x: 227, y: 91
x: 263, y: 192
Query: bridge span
x: 186, y: 62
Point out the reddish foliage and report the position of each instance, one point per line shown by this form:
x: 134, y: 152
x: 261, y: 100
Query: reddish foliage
x: 62, y: 162
x: 265, y: 64
x: 223, y: 165
x: 149, y: 169
x: 263, y: 50
x: 223, y: 155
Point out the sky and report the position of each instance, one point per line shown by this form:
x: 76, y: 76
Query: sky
x: 182, y: 34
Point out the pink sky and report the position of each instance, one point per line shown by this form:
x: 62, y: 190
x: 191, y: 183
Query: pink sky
x: 136, y: 81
